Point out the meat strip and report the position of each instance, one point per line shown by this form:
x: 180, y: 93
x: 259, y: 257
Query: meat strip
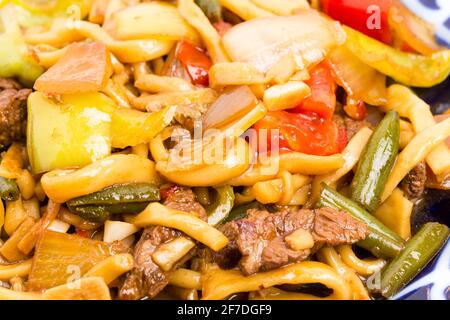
x: 147, y: 278
x: 13, y: 111
x: 414, y: 183
x: 259, y: 243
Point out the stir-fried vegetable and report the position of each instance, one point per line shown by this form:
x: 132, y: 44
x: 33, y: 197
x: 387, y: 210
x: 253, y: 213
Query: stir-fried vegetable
x: 323, y: 98
x: 407, y: 68
x: 415, y: 32
x: 70, y: 136
x: 381, y: 241
x: 211, y: 8
x: 31, y: 13
x: 126, y: 198
x: 221, y: 206
x: 263, y: 42
x: 50, y: 143
x: 416, y: 255
x: 359, y: 80
x: 152, y: 20
x: 395, y: 213
x: 67, y: 256
x: 376, y: 163
x: 195, y: 61
x: 302, y: 132
x: 231, y: 106
x: 8, y: 190
x: 361, y: 15
x: 241, y: 211
x: 16, y: 59
x: 84, y: 67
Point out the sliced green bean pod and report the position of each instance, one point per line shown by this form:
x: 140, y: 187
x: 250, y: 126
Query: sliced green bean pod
x: 419, y: 251
x: 9, y: 190
x: 211, y: 8
x: 101, y: 213
x: 381, y: 241
x: 221, y: 206
x: 376, y: 162
x: 119, y: 194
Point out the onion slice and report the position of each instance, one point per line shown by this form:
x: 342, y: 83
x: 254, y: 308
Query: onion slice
x: 263, y: 42
x: 359, y: 80
x: 231, y: 105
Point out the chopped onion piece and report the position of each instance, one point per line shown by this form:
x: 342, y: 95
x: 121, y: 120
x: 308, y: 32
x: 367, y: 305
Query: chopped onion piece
x: 155, y: 20
x: 263, y: 42
x: 231, y: 105
x: 359, y: 80
x: 118, y: 230
x: 83, y: 67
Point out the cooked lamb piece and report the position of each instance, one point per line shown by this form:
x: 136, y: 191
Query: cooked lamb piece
x: 414, y: 183
x: 147, y: 279
x: 260, y: 239
x: 13, y: 111
x: 350, y: 125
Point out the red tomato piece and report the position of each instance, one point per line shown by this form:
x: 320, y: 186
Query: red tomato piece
x: 195, y: 61
x: 302, y: 132
x: 323, y: 92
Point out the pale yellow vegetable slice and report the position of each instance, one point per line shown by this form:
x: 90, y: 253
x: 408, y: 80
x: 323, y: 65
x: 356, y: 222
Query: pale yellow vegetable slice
x: 117, y: 230
x: 395, y: 213
x: 245, y: 9
x: 155, y: 20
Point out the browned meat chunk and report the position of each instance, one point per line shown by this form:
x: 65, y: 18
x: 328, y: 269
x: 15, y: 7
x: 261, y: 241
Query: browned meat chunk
x: 13, y: 111
x: 414, y: 183
x: 350, y: 125
x: 147, y: 278
x: 260, y: 240
x: 183, y: 199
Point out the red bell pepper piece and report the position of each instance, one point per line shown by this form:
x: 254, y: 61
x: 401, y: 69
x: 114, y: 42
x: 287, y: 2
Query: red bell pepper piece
x: 358, y: 14
x: 195, y: 61
x: 323, y: 92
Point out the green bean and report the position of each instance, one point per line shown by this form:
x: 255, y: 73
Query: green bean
x: 418, y: 252
x: 124, y: 198
x: 119, y: 194
x: 211, y: 8
x: 101, y: 213
x: 381, y: 241
x: 8, y: 190
x: 376, y: 163
x: 221, y: 206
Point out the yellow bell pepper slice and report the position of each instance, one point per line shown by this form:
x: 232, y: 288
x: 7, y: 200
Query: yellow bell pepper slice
x: 82, y: 128
x: 407, y: 68
x: 132, y: 127
x: 15, y: 58
x: 30, y: 13
x: 70, y: 133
